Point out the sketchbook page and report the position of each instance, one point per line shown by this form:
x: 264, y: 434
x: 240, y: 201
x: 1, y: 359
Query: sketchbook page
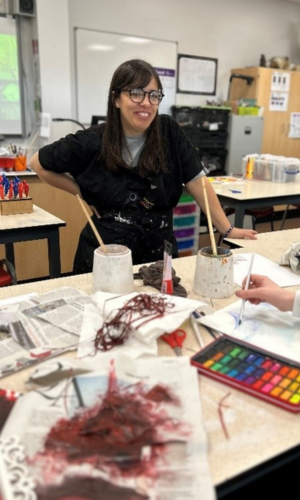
x: 263, y: 326
x: 120, y: 430
x: 281, y: 275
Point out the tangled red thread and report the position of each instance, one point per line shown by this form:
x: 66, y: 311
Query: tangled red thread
x: 116, y: 331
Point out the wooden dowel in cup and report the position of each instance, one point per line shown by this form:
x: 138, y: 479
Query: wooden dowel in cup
x: 99, y: 239
x: 210, y: 227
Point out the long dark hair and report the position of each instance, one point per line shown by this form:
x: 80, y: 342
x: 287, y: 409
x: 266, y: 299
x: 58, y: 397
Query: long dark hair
x: 131, y: 74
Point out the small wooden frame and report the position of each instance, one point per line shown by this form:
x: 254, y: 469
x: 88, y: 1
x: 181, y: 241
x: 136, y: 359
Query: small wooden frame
x: 16, y: 206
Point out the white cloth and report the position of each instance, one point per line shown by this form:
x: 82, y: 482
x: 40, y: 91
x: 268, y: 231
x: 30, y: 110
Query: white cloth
x: 292, y: 257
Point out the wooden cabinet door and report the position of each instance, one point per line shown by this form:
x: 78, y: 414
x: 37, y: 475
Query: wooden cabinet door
x: 276, y: 138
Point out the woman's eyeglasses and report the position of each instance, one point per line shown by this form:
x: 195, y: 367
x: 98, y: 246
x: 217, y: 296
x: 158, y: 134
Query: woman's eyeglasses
x: 138, y: 95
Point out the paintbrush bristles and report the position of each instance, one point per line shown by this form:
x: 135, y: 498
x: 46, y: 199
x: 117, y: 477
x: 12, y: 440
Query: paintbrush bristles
x: 99, y: 239
x: 210, y: 227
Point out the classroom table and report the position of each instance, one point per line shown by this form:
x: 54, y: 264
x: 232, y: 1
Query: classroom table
x: 37, y: 225
x: 265, y: 242
x: 250, y: 194
x: 262, y: 437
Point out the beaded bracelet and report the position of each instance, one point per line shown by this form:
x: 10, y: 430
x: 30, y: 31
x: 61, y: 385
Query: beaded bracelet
x: 227, y: 232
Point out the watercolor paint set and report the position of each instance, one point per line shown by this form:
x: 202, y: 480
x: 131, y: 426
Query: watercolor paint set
x: 253, y: 370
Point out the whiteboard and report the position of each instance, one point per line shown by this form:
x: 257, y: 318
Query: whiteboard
x: 97, y: 56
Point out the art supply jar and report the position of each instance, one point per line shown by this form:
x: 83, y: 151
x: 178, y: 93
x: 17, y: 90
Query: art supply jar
x: 112, y: 270
x: 20, y: 163
x: 214, y: 273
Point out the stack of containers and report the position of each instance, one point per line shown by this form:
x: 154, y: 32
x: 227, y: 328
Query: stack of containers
x: 186, y: 219
x: 272, y: 168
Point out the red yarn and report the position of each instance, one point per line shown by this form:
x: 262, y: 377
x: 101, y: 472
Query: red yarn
x: 115, y: 331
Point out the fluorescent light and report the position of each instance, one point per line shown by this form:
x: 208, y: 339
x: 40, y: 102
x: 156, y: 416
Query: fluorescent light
x: 100, y: 47
x: 133, y: 39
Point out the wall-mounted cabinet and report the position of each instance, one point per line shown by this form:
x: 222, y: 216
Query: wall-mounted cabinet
x: 277, y: 122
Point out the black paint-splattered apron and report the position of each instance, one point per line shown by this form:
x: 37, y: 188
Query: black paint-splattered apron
x: 142, y: 223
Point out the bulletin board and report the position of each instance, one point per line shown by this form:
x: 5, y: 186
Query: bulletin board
x: 99, y: 53
x: 196, y: 75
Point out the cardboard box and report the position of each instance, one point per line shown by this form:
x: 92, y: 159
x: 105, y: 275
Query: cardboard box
x: 16, y: 206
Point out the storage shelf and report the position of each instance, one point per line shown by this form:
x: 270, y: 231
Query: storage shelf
x: 186, y: 218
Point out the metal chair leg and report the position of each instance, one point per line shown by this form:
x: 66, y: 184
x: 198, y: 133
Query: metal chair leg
x: 10, y: 269
x: 284, y: 217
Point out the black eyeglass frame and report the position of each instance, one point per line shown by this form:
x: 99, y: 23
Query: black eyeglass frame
x: 145, y: 93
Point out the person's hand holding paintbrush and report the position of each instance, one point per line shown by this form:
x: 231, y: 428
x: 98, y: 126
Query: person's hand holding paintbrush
x: 246, y: 286
x: 262, y: 289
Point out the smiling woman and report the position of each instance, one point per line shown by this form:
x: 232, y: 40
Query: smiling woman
x: 138, y: 112
x: 131, y: 171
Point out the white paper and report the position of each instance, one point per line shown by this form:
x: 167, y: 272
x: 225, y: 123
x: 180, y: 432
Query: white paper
x: 45, y: 119
x: 278, y: 101
x: 280, y: 81
x: 263, y: 326
x: 168, y: 81
x: 294, y: 130
x: 282, y: 276
x: 197, y: 75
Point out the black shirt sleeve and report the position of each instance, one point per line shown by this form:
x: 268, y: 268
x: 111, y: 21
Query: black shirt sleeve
x: 72, y: 153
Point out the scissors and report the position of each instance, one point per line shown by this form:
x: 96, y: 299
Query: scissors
x: 175, y: 340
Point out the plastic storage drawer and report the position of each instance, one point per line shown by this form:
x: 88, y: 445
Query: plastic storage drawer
x: 185, y: 244
x: 184, y: 221
x: 185, y: 209
x: 185, y: 253
x: 184, y: 233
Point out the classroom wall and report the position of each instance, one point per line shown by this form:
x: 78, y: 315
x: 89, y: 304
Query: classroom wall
x: 236, y: 32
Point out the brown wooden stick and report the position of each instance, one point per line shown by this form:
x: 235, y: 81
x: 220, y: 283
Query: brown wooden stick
x: 99, y: 239
x: 210, y: 227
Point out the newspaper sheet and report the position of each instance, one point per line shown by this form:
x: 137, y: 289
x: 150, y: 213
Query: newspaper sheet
x: 119, y: 430
x: 45, y: 325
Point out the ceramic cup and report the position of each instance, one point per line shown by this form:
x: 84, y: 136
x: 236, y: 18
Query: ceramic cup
x: 112, y: 270
x: 214, y: 273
